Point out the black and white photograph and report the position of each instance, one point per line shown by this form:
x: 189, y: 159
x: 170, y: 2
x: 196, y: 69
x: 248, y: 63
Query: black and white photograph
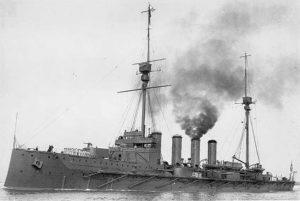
x: 149, y: 100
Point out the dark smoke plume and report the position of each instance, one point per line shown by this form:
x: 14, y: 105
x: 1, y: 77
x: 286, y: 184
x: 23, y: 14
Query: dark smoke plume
x: 198, y: 125
x: 210, y: 73
x: 202, y: 84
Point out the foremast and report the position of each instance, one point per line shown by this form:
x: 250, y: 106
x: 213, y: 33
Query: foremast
x: 145, y: 70
x: 247, y: 101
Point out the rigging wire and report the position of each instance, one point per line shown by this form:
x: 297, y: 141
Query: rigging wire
x: 47, y: 124
x: 162, y: 112
x: 257, y: 153
x: 151, y: 111
x: 239, y: 147
x: 224, y: 149
x: 136, y: 111
x: 149, y: 121
x: 126, y: 112
x: 255, y: 124
x: 106, y: 75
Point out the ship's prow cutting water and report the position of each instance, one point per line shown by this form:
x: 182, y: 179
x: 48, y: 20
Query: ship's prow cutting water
x: 134, y: 163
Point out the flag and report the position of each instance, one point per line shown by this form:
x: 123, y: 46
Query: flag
x: 149, y: 14
x: 291, y: 167
x: 150, y: 9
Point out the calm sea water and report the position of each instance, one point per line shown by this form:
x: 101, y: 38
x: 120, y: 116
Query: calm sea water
x: 140, y: 196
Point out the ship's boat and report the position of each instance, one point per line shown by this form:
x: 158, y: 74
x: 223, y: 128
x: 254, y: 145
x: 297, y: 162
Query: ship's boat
x: 135, y: 162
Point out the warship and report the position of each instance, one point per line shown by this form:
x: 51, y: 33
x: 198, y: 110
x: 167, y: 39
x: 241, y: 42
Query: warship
x: 135, y: 163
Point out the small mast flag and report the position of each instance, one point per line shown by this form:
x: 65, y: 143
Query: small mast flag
x: 150, y: 9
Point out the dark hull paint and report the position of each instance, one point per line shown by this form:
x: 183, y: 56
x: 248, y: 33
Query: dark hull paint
x: 60, y: 171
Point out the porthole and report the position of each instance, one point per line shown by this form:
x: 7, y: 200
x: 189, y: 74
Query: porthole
x: 50, y: 173
x: 85, y: 160
x: 21, y: 171
x: 48, y: 156
x: 31, y: 155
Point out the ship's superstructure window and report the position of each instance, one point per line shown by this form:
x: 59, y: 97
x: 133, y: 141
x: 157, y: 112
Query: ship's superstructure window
x: 77, y: 152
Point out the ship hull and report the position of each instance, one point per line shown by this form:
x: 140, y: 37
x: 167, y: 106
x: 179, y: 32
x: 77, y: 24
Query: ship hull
x: 59, y: 171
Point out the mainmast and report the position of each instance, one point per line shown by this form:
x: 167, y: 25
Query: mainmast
x: 247, y: 101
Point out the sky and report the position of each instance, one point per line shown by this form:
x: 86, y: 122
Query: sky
x: 62, y: 63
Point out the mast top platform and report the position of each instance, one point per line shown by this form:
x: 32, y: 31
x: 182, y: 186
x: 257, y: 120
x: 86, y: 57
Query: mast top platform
x: 145, y: 68
x: 247, y: 100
